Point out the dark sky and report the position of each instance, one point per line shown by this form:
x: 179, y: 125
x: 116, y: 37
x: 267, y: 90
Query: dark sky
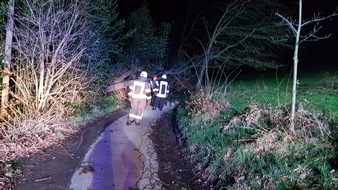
x: 323, y: 51
x: 176, y: 10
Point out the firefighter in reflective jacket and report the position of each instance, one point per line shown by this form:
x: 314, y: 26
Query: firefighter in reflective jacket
x: 139, y: 95
x: 162, y: 91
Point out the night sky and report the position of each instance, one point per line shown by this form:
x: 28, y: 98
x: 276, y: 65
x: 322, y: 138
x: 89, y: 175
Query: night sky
x: 175, y: 11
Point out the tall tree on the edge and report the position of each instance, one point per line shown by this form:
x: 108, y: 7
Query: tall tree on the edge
x: 7, y: 59
x: 310, y: 36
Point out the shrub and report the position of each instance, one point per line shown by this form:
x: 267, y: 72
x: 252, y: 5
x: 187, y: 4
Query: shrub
x: 205, y: 107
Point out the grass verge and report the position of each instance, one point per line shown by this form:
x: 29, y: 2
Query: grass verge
x: 248, y: 144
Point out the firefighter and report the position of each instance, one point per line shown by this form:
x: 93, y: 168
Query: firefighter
x: 139, y: 95
x: 153, y: 85
x: 162, y: 92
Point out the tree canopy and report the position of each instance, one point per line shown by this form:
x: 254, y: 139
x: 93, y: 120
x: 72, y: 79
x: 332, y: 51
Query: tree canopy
x: 148, y: 44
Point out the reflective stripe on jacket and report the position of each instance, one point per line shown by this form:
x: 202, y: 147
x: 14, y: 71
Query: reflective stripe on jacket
x: 162, y: 89
x: 139, y: 89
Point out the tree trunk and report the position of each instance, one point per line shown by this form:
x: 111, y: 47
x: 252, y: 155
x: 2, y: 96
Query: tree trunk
x: 125, y: 75
x: 200, y: 77
x: 295, y: 69
x: 118, y: 86
x: 120, y: 81
x: 7, y: 59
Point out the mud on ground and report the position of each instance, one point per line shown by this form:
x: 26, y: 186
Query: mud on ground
x: 174, y: 171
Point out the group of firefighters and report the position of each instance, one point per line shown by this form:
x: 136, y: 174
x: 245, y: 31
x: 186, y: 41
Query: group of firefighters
x: 144, y: 91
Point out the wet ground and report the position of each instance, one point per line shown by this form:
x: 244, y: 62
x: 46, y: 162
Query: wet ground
x: 54, y: 167
x: 174, y: 171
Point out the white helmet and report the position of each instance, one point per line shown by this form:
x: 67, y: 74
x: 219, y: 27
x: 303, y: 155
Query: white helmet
x: 164, y: 76
x: 144, y: 74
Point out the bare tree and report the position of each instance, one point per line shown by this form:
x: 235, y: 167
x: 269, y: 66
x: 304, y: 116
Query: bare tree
x: 49, y: 42
x: 241, y: 36
x: 296, y: 28
x: 7, y: 59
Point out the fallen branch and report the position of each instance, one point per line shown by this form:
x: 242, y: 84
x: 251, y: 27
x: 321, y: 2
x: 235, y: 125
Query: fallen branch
x: 245, y: 140
x: 120, y: 82
x: 118, y: 86
x: 42, y: 179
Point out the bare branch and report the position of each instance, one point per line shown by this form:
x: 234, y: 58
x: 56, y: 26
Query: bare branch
x: 311, y: 35
x: 288, y: 22
x: 50, y: 41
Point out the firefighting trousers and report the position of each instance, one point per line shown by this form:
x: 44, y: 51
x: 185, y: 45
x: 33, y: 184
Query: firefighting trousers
x: 137, y: 108
x: 159, y: 103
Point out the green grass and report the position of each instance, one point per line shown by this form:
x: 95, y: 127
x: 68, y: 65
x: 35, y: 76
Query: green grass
x: 318, y: 90
x: 105, y: 104
x: 276, y: 158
